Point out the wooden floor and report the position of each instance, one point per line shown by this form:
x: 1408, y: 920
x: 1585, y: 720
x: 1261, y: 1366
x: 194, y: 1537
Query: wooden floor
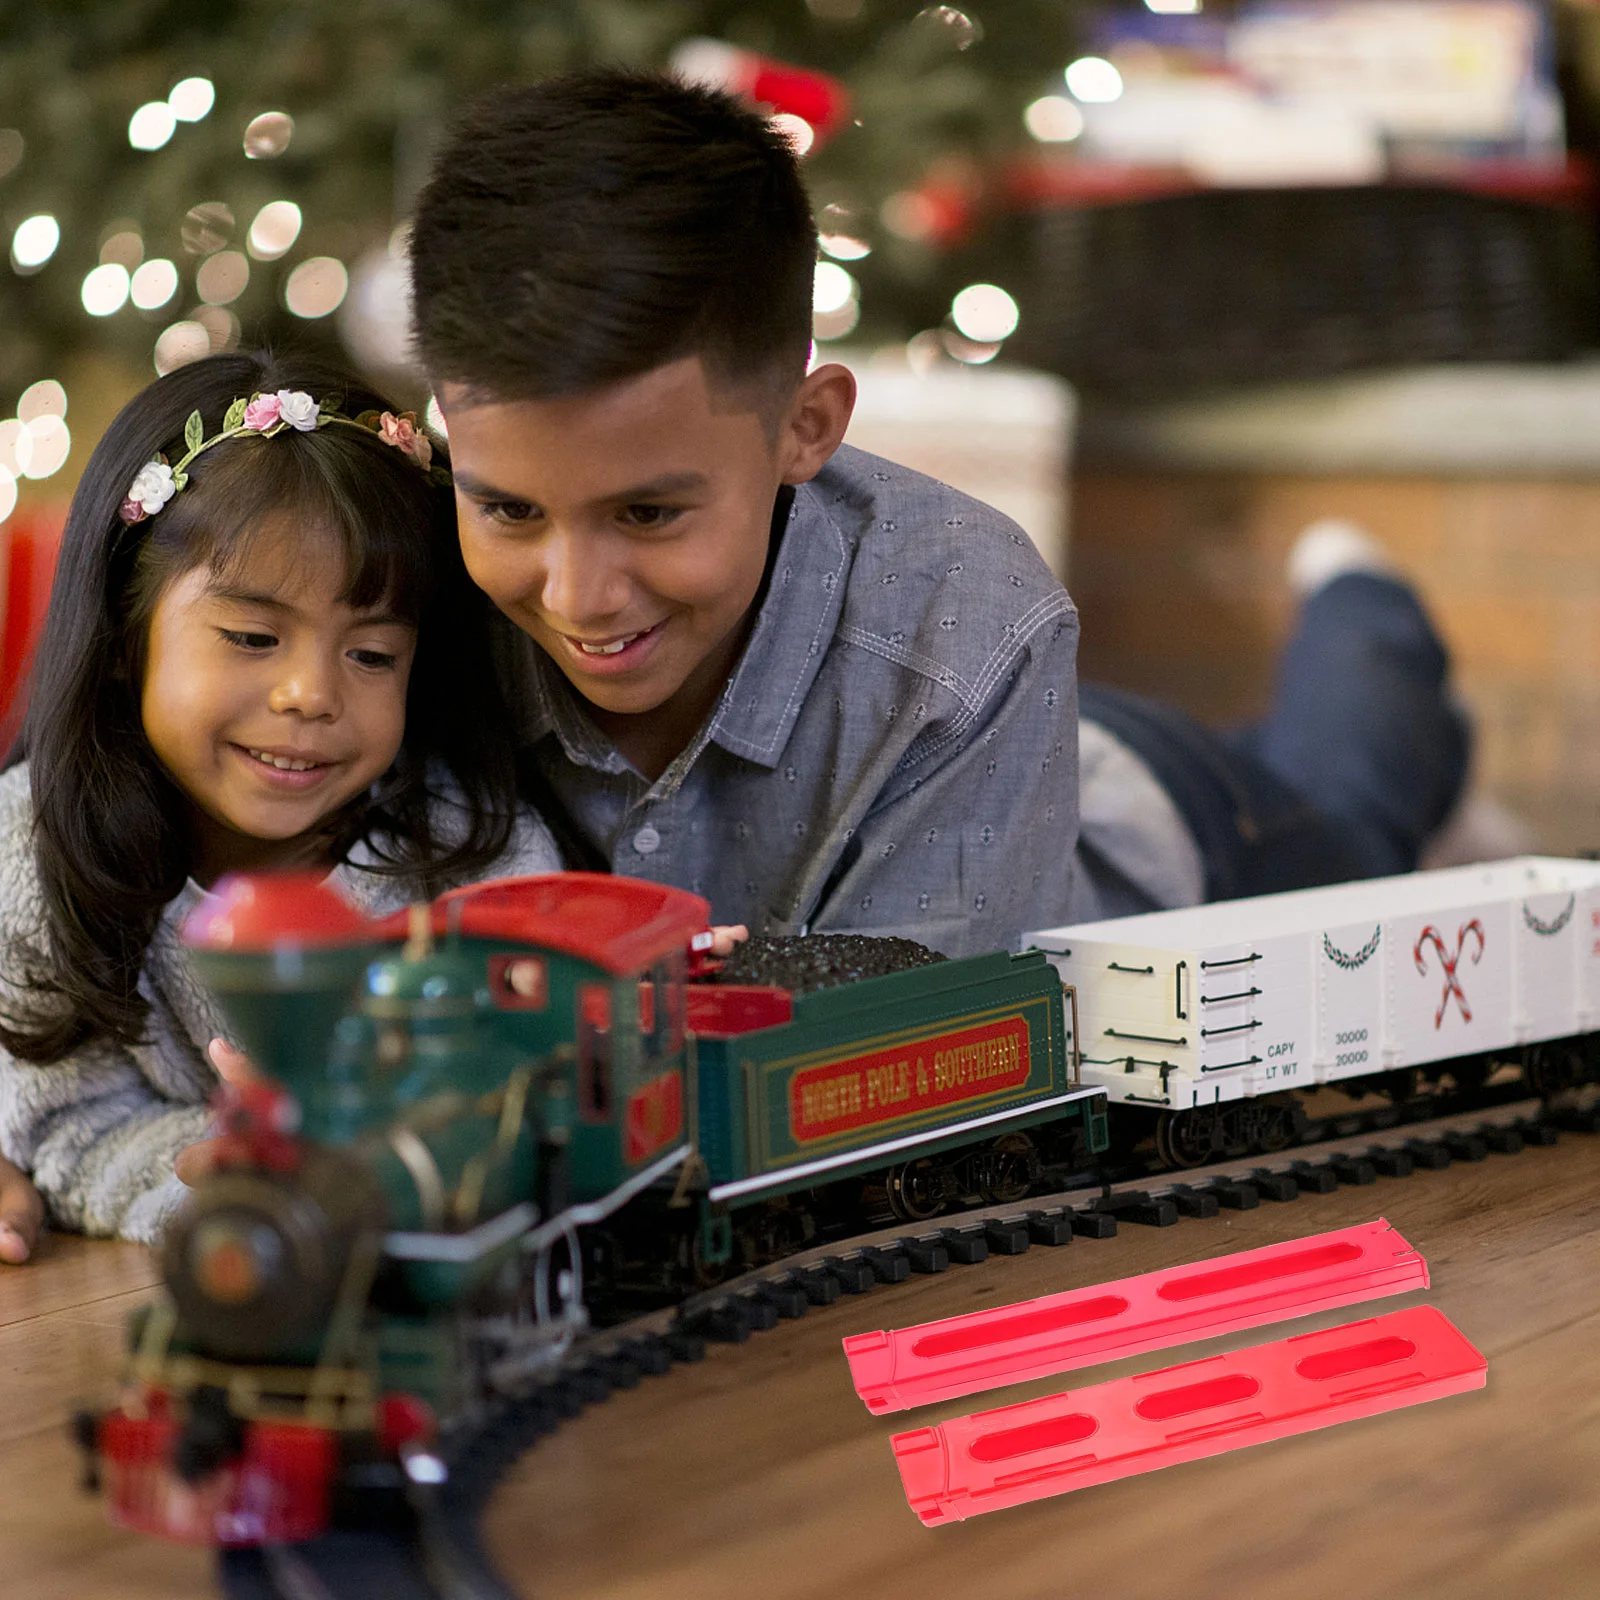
x: 759, y: 1476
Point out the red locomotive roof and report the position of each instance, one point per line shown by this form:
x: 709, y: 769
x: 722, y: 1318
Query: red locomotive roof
x: 256, y: 911
x: 620, y: 924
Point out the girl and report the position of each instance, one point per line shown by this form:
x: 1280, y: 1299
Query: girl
x: 262, y: 651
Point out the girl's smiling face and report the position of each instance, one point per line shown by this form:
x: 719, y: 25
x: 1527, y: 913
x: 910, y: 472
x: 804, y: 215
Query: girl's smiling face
x: 269, y: 701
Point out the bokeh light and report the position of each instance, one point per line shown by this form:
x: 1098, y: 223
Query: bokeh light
x: 191, y: 99
x: 43, y: 447
x: 949, y: 25
x: 800, y: 134
x: 1054, y: 119
x: 985, y: 313
x: 222, y: 327
x: 151, y: 125
x: 844, y: 247
x: 909, y: 215
x: 46, y: 398
x: 180, y: 344
x: 154, y: 284
x: 8, y: 493
x: 10, y: 435
x: 34, y: 242
x: 434, y: 417
x: 831, y: 287
x: 316, y: 287
x: 268, y: 135
x: 1173, y: 7
x: 207, y: 227
x: 105, y: 290
x: 124, y: 246
x: 1093, y: 80
x: 969, y: 352
x: 275, y: 229
x: 222, y: 277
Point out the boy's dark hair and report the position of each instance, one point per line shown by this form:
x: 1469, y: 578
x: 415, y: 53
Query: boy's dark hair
x: 588, y: 229
x: 111, y: 829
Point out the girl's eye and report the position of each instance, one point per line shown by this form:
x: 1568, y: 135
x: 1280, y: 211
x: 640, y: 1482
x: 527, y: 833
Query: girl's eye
x: 379, y: 659
x: 648, y: 517
x: 248, y: 641
x: 509, y: 512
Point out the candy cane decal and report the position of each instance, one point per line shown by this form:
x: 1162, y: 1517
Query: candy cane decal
x: 1452, y: 985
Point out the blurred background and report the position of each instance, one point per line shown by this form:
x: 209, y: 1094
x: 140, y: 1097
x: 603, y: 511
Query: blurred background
x: 1166, y: 279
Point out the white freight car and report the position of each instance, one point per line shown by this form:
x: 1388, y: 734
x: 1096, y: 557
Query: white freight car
x: 1198, y: 1015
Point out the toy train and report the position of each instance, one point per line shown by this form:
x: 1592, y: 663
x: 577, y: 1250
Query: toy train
x: 392, y: 1229
x: 468, y: 1107
x: 1201, y: 1025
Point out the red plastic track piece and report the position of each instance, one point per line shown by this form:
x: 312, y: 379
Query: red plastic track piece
x: 1058, y: 1332
x: 1203, y: 1408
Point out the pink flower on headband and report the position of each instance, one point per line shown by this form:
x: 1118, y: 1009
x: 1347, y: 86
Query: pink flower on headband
x: 261, y: 413
x: 404, y: 434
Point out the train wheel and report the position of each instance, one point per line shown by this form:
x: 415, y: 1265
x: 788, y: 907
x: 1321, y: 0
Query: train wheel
x: 1008, y: 1170
x: 1271, y: 1128
x: 1187, y: 1138
x: 558, y: 1282
x: 1550, y: 1068
x: 915, y: 1190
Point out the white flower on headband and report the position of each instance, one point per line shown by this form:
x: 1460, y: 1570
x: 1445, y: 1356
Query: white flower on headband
x: 150, y: 490
x: 298, y: 409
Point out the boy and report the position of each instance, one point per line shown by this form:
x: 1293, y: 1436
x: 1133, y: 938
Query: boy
x: 821, y: 690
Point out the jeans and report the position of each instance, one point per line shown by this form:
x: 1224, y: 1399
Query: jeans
x: 1360, y: 758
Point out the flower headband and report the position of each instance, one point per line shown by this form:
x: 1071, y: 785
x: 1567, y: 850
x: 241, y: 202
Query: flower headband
x: 267, y: 414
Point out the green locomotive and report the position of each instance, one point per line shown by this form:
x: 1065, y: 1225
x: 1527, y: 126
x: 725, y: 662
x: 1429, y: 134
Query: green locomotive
x: 393, y: 1227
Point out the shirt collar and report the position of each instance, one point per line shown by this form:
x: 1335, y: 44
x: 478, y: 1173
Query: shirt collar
x: 762, y: 700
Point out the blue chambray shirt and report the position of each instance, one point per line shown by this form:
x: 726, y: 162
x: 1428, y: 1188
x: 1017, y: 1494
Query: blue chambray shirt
x: 896, y: 750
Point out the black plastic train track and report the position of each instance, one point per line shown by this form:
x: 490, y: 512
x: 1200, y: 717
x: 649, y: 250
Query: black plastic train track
x: 440, y: 1555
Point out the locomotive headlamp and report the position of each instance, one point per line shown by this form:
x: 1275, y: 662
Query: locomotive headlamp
x: 232, y: 1258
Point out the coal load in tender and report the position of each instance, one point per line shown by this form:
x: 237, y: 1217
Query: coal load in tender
x: 804, y: 962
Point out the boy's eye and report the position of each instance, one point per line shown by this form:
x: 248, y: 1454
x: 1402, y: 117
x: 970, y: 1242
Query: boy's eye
x: 248, y: 641
x: 650, y: 516
x: 380, y: 659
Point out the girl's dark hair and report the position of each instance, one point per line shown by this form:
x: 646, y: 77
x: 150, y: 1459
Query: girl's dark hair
x: 111, y: 829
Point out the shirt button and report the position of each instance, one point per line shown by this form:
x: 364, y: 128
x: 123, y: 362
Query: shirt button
x: 647, y: 841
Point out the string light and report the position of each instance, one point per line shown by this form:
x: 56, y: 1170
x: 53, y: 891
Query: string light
x: 268, y: 135
x: 180, y: 344
x: 842, y: 247
x: 105, y: 289
x: 151, y: 125
x: 222, y: 277
x: 192, y: 99
x: 34, y: 243
x: 1053, y: 119
x: 274, y: 231
x: 8, y: 493
x: 46, y: 398
x: 43, y: 447
x: 985, y: 313
x: 1093, y: 80
x: 154, y: 284
x: 800, y: 134
x: 316, y: 287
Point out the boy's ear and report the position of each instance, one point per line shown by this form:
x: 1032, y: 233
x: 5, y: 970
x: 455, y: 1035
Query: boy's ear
x: 814, y: 425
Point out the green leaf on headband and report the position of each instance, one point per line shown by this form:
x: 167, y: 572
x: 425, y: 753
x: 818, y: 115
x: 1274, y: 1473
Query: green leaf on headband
x: 234, y: 417
x: 194, y: 432
x: 179, y: 478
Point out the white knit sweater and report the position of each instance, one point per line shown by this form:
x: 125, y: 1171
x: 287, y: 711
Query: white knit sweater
x: 99, y: 1129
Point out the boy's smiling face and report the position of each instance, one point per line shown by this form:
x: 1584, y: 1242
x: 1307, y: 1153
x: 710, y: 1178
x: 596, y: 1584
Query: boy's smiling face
x: 626, y: 530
